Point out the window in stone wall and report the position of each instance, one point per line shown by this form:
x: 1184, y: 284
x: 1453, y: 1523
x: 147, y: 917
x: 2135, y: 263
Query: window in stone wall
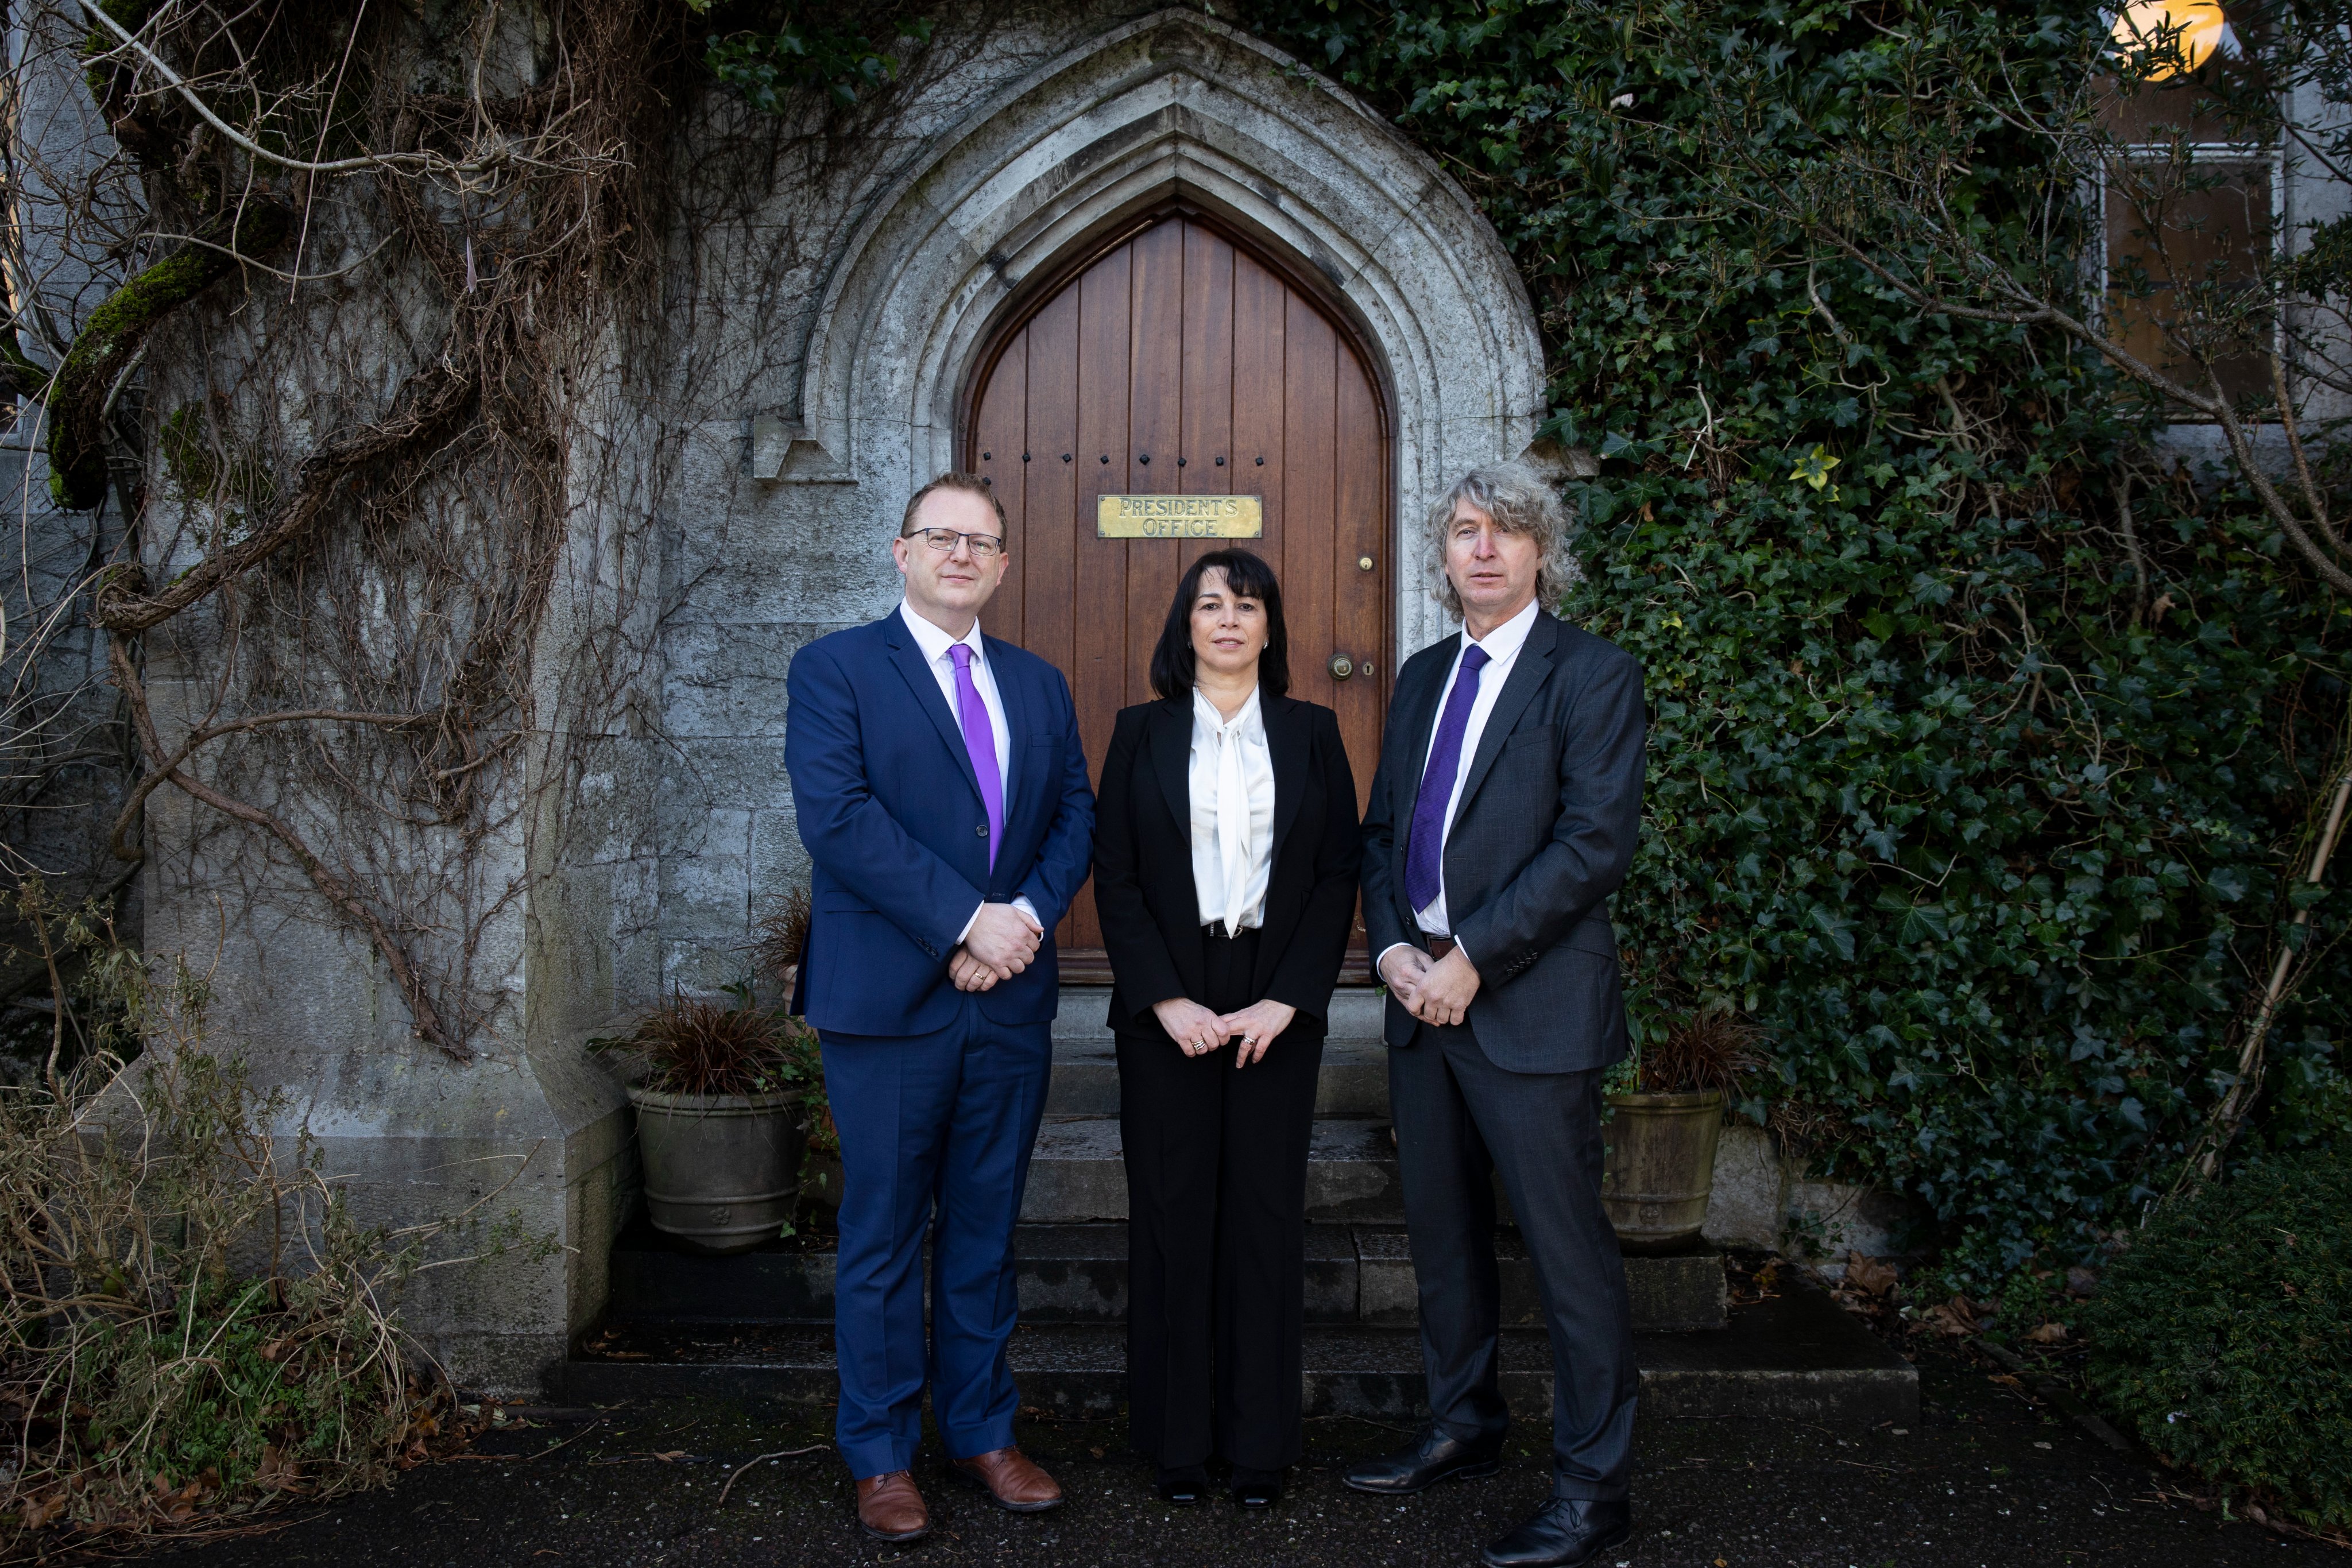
x: 2190, y: 216
x: 2196, y: 237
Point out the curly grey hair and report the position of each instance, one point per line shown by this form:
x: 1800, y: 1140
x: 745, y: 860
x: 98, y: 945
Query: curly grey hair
x: 1520, y: 501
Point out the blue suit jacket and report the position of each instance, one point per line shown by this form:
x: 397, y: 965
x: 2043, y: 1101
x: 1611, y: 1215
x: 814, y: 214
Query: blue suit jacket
x: 891, y: 814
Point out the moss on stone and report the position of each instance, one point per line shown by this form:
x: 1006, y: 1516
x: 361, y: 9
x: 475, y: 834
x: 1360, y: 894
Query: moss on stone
x: 77, y: 406
x: 200, y: 469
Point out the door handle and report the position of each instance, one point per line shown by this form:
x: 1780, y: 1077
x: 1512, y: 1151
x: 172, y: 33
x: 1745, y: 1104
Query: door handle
x: 1342, y: 666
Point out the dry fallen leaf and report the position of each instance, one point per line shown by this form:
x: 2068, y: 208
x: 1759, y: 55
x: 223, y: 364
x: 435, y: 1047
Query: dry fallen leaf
x: 1947, y: 1322
x: 277, y: 1472
x: 39, y: 1511
x: 180, y: 1507
x: 2048, y: 1334
x: 1868, y: 1275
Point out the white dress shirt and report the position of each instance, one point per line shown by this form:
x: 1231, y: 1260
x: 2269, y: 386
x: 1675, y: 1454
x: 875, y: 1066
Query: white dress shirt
x: 935, y: 645
x: 1502, y: 646
x: 1232, y: 786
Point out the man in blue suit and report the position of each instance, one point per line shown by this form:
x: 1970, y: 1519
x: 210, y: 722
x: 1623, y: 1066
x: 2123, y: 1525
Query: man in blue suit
x: 943, y: 796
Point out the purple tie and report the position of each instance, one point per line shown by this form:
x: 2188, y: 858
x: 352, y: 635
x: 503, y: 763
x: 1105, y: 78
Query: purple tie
x: 979, y: 743
x: 1425, y: 856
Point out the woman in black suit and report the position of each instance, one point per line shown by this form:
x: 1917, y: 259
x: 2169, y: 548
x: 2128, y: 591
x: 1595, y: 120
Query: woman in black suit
x: 1225, y: 858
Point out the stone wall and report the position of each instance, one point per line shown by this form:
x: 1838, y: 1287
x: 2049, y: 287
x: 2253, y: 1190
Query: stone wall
x: 1764, y: 1198
x: 65, y: 755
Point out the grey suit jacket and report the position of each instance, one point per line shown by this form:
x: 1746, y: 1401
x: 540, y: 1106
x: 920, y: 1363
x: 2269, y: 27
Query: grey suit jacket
x: 1543, y: 834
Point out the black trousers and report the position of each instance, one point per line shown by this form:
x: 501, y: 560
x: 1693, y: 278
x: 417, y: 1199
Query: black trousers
x: 1216, y: 1197
x: 1459, y: 1117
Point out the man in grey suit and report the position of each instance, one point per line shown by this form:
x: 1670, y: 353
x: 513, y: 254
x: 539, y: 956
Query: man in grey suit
x: 1503, y: 816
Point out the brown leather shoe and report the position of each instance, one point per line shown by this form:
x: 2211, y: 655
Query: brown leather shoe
x: 1011, y: 1480
x: 890, y: 1508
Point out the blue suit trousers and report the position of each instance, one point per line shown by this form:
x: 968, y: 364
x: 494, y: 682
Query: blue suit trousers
x: 936, y: 1131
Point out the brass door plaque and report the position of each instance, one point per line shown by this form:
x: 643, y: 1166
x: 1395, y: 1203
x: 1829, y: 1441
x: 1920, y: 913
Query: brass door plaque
x: 1180, y: 517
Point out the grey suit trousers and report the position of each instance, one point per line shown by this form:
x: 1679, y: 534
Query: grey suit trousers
x: 1459, y: 1118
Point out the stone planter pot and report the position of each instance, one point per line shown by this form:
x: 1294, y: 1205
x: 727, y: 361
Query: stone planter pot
x: 1660, y: 1167
x: 722, y: 1171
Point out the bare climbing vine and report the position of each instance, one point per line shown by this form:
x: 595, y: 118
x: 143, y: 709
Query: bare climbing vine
x: 365, y: 407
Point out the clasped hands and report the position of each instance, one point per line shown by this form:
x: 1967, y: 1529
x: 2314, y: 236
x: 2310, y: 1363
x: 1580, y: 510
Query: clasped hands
x: 1435, y: 991
x: 1003, y: 941
x: 1197, y: 1032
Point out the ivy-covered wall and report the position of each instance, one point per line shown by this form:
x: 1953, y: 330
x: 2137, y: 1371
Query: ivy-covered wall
x: 1984, y: 822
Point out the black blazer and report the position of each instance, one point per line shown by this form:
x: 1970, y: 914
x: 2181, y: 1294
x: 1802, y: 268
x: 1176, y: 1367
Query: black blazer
x: 1143, y: 860
x: 1545, y: 832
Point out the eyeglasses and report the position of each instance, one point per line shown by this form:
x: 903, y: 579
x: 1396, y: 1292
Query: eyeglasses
x: 983, y: 546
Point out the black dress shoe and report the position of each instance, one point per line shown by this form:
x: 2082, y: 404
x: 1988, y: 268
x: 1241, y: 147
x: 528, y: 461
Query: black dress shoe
x: 1563, y: 1534
x: 1256, y: 1489
x: 1183, y: 1486
x: 1433, y: 1457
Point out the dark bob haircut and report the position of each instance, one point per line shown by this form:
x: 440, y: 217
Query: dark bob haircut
x: 1247, y: 577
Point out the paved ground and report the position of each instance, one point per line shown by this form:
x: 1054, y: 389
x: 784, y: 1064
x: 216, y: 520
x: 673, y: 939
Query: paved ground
x: 1987, y: 1480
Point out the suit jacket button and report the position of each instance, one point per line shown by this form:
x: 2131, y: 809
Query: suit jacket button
x: 981, y: 829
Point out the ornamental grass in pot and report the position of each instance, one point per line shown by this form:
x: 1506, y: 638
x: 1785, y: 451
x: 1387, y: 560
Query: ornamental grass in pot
x: 1665, y: 1105
x: 719, y: 1089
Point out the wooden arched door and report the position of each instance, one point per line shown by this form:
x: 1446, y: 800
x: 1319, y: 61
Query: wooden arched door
x: 1178, y: 360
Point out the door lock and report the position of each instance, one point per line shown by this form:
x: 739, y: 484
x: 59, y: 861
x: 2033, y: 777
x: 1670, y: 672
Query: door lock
x: 1342, y: 666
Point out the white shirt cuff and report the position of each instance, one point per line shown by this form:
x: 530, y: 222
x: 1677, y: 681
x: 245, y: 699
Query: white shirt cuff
x: 1395, y: 946
x: 1027, y: 909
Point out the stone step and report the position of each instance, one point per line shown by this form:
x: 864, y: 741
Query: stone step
x: 1077, y: 1274
x: 1354, y: 1080
x: 1795, y: 1356
x: 1076, y: 1171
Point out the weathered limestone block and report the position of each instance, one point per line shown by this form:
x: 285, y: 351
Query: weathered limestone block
x: 540, y: 1143
x: 1763, y: 1198
x: 1750, y: 1200
x: 530, y: 1145
x: 1828, y: 1219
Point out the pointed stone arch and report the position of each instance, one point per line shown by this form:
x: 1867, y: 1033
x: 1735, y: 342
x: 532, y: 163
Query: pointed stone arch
x: 1176, y: 104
